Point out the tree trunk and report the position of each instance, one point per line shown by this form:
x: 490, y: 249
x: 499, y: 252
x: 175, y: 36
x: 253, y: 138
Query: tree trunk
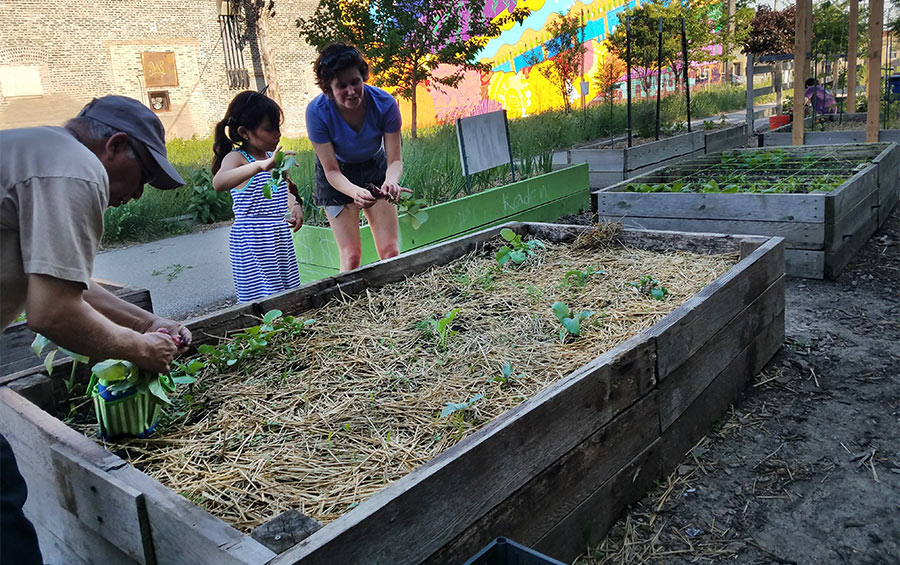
x: 413, y: 134
x: 267, y: 54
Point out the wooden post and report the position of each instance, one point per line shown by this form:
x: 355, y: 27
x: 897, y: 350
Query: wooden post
x: 729, y: 65
x: 748, y: 72
x: 873, y: 83
x: 801, y: 43
x: 776, y: 83
x: 851, y: 56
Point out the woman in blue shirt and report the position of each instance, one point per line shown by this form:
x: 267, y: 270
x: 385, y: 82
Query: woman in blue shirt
x: 355, y: 131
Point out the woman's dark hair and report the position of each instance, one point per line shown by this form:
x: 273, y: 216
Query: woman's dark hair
x: 333, y: 59
x: 811, y: 82
x: 249, y: 109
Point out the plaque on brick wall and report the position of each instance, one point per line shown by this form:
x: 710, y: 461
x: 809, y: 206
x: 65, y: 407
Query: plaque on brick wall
x: 159, y: 69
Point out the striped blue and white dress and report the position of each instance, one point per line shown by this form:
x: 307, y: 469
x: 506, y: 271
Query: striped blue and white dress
x: 260, y: 245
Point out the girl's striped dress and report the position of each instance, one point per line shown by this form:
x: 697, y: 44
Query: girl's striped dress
x: 260, y: 244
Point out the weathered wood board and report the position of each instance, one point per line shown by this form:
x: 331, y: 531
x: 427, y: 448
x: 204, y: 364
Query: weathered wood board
x: 823, y: 231
x: 553, y: 472
x: 609, y: 166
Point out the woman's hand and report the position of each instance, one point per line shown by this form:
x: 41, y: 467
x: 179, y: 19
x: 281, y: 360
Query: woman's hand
x: 393, y: 190
x: 269, y: 164
x: 363, y: 198
x: 295, y: 217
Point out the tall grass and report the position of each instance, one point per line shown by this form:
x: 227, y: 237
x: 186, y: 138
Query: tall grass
x: 432, y: 167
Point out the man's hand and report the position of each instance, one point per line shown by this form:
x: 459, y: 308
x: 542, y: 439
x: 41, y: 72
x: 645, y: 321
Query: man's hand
x: 156, y: 352
x: 180, y: 334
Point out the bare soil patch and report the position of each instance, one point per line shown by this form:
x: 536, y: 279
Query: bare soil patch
x: 805, y: 468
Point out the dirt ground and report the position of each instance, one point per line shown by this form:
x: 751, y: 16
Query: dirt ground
x: 805, y: 468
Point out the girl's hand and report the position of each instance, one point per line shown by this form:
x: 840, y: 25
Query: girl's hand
x: 393, y: 190
x: 269, y: 164
x: 295, y: 217
x: 363, y: 198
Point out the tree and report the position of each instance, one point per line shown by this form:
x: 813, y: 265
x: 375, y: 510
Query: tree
x: 645, y: 36
x: 607, y: 75
x: 562, y: 55
x: 255, y: 15
x: 731, y: 31
x: 406, y: 40
x: 771, y: 32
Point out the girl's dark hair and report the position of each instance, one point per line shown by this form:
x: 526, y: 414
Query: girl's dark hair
x: 333, y: 59
x: 811, y: 82
x: 249, y: 109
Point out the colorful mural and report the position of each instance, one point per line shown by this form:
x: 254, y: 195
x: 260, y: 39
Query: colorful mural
x: 513, y: 86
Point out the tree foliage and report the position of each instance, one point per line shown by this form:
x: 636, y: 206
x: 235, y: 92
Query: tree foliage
x: 698, y: 22
x: 607, y: 75
x: 771, y: 32
x: 564, y: 54
x: 406, y: 40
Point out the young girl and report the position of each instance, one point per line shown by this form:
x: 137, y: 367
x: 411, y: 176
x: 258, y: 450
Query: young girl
x: 355, y: 131
x: 260, y: 244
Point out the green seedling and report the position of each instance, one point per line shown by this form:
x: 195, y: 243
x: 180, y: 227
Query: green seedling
x: 40, y: 343
x: 571, y: 324
x: 578, y: 279
x: 280, y: 171
x: 414, y: 208
x: 457, y: 410
x: 506, y: 376
x: 649, y: 286
x: 254, y: 340
x: 518, y: 251
x: 440, y: 328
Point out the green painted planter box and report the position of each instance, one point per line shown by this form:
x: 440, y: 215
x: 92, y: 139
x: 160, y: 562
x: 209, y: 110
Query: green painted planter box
x: 542, y: 198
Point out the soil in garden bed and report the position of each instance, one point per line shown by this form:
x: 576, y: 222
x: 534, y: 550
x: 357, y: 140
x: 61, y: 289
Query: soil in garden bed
x: 805, y: 468
x: 352, y: 402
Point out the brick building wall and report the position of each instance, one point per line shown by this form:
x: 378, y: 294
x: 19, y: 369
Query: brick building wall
x: 57, y: 55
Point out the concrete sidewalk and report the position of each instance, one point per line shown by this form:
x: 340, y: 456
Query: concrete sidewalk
x: 183, y: 273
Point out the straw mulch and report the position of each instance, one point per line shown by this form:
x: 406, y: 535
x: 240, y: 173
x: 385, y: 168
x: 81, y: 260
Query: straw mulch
x: 322, y: 422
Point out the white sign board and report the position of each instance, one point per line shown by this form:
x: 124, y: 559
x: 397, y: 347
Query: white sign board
x: 483, y: 141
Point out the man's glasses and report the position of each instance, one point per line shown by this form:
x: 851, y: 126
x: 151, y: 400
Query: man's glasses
x: 147, y: 175
x: 329, y: 60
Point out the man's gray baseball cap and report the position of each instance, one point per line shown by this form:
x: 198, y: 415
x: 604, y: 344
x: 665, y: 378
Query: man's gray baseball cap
x: 139, y: 122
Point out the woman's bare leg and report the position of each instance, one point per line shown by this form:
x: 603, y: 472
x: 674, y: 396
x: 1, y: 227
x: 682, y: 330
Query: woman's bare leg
x: 385, y: 229
x: 345, y: 228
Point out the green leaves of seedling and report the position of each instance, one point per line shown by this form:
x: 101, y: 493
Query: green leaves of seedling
x: 578, y: 279
x: 452, y: 407
x: 440, y: 328
x: 518, y: 251
x: 571, y: 324
x: 506, y: 376
x: 280, y: 171
x: 414, y: 210
x: 650, y: 287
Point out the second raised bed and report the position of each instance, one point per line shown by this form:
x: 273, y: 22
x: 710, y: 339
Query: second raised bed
x: 822, y: 230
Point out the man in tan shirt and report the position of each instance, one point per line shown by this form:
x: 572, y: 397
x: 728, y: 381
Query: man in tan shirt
x: 55, y: 184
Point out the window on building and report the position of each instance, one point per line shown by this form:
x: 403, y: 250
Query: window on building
x: 238, y: 76
x: 737, y: 68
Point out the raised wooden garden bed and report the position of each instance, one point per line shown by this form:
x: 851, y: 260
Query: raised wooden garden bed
x: 553, y: 472
x: 609, y: 166
x: 836, y: 129
x: 823, y: 230
x: 537, y: 199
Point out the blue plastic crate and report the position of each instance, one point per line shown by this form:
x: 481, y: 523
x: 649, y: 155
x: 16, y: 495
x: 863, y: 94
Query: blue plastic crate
x: 504, y: 551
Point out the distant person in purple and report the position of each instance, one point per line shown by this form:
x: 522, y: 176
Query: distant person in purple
x: 822, y: 100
